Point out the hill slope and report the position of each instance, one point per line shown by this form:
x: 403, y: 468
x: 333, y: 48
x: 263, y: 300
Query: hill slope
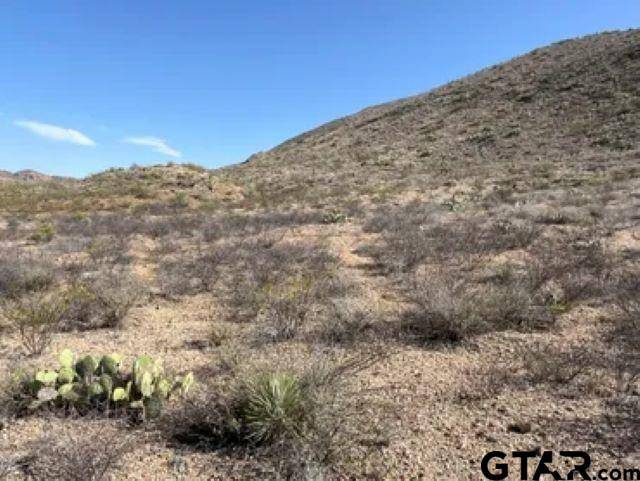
x: 27, y: 175
x: 573, y: 105
x: 561, y: 116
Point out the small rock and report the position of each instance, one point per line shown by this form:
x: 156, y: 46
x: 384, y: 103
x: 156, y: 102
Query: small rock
x: 519, y: 427
x: 178, y: 464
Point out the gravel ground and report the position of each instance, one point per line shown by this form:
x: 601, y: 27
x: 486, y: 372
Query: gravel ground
x: 434, y: 433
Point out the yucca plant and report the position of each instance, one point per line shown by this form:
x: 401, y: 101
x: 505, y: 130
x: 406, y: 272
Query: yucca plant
x: 274, y: 405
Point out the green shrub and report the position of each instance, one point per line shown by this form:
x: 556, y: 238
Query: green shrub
x: 333, y: 217
x: 44, y: 233
x: 98, y: 382
x: 180, y: 200
x: 140, y: 191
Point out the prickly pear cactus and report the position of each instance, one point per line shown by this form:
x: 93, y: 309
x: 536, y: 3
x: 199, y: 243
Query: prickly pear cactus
x: 87, y: 366
x: 66, y: 358
x: 111, y: 364
x: 99, y: 382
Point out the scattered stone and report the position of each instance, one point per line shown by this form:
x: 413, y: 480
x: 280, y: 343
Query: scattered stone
x: 519, y: 427
x: 178, y: 464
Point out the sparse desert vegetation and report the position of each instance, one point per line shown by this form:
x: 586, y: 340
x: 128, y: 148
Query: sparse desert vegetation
x: 429, y: 280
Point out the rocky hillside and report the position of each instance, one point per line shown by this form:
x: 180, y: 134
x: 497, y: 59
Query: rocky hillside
x: 561, y: 116
x: 572, y: 105
x: 24, y: 175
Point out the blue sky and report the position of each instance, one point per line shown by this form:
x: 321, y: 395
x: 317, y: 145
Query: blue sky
x: 85, y: 85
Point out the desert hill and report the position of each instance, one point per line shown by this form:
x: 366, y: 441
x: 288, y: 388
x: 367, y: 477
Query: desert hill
x: 27, y: 175
x: 572, y: 105
x: 561, y: 115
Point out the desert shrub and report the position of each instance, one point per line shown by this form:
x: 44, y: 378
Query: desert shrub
x: 165, y: 247
x: 579, y: 265
x: 35, y: 318
x: 81, y: 312
x: 386, y: 218
x: 12, y: 230
x: 115, y: 292
x: 7, y: 467
x: 219, y: 334
x: 61, y: 246
x: 100, y: 383
x: 180, y: 200
x: 415, y: 234
x: 624, y: 336
x: 286, y: 308
x: 185, y: 224
x: 118, y: 225
x: 13, y: 398
x: 443, y: 308
x: 108, y: 250
x: 283, y: 317
x: 77, y: 457
x: 486, y: 381
x: 159, y: 228
x: 403, y: 242
x: 333, y: 217
x: 263, y: 268
x: 345, y: 322
x: 264, y: 272
x: 190, y: 273
x: 21, y: 274
x: 562, y: 216
x: 262, y: 278
x: 100, y: 300
x: 626, y: 295
x: 44, y: 233
x: 75, y: 269
x: 299, y: 420
x: 553, y: 364
x: 254, y: 224
x: 71, y: 224
x: 141, y: 191
x: 450, y: 307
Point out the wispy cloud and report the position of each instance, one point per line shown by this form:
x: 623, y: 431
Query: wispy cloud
x: 156, y: 144
x: 53, y: 132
